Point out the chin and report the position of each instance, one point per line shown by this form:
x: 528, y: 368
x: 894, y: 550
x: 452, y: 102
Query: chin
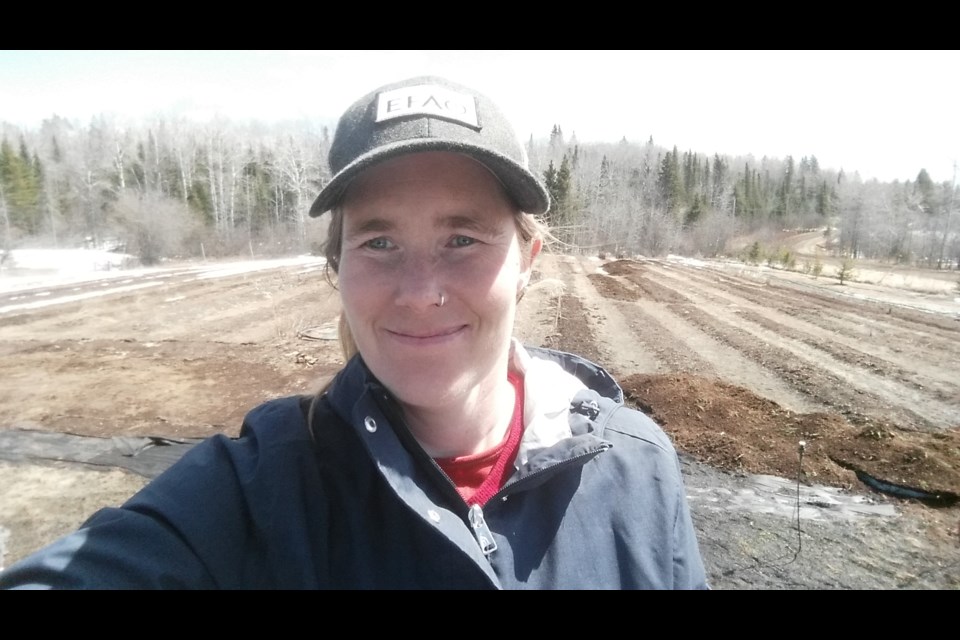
x: 422, y: 385
x: 423, y: 390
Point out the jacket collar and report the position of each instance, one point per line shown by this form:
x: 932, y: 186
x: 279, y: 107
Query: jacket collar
x: 554, y: 383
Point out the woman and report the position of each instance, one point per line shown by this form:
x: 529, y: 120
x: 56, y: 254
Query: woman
x: 444, y: 454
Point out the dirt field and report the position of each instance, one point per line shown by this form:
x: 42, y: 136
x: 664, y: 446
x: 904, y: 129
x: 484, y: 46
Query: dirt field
x: 740, y: 364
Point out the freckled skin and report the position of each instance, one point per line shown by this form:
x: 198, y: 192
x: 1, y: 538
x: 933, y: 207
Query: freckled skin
x: 414, y: 227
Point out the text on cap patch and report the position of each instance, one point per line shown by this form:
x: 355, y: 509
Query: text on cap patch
x: 427, y: 100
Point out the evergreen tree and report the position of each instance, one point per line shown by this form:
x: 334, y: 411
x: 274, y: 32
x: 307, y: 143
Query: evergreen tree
x: 557, y: 182
x: 691, y: 169
x: 784, y: 206
x: 927, y: 191
x: 670, y: 182
x: 705, y: 186
x: 557, y: 144
x: 605, y: 180
x: 549, y: 181
x: 747, y: 193
x: 21, y: 187
x: 695, y: 212
x: 719, y: 178
x: 57, y: 154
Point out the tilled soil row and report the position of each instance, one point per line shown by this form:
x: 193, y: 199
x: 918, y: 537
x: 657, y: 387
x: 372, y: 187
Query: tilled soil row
x: 912, y: 381
x: 847, y: 322
x: 893, y: 356
x: 789, y: 297
x: 848, y: 396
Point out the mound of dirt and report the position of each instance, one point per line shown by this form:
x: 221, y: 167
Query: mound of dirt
x: 731, y: 428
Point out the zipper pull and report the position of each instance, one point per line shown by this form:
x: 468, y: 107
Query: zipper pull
x: 480, y: 529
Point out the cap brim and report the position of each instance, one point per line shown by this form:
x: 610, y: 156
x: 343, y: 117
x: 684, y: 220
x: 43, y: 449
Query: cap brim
x: 527, y: 192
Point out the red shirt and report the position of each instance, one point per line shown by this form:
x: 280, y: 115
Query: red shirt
x: 480, y: 475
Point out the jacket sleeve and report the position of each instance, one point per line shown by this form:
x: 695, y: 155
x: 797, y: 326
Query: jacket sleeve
x: 688, y: 570
x: 226, y: 515
x: 167, y: 536
x: 110, y: 552
x: 651, y: 460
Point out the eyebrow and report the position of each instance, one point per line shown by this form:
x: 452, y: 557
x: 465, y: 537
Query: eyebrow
x: 371, y: 225
x: 468, y: 222
x: 452, y: 222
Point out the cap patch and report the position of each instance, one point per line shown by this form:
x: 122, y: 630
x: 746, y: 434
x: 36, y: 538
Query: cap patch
x: 427, y: 100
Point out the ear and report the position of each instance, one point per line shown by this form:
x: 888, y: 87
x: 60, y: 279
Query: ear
x: 535, y: 246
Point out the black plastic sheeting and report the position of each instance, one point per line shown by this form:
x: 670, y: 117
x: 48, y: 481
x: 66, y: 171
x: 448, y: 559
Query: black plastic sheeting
x: 146, y: 456
x: 929, y: 498
x: 150, y: 456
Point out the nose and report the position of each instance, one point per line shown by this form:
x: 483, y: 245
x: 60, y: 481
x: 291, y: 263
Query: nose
x: 419, y: 282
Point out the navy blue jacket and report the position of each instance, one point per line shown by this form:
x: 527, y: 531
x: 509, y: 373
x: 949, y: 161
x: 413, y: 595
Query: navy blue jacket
x: 351, y: 501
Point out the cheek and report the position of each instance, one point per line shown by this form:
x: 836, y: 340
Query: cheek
x: 358, y: 287
x: 505, y: 284
x: 490, y: 277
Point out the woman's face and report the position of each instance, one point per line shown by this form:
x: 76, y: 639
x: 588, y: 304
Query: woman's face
x: 416, y: 227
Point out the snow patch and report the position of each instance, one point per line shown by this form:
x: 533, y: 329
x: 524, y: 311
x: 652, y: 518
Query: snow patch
x: 31, y: 271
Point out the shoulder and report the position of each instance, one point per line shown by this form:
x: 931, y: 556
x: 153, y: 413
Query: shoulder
x: 283, y: 417
x: 271, y: 425
x: 273, y: 438
x: 627, y: 423
x: 640, y: 448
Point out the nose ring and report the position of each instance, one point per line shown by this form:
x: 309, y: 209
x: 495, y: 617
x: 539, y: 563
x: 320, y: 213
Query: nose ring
x: 442, y: 300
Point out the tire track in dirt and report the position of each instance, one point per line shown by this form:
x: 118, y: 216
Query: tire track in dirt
x: 938, y: 340
x: 660, y: 328
x: 935, y: 329
x: 137, y: 308
x: 611, y: 350
x: 883, y: 339
x: 275, y: 311
x: 928, y: 313
x: 940, y: 390
x: 811, y: 371
x: 915, y: 373
x: 641, y: 329
x: 198, y: 295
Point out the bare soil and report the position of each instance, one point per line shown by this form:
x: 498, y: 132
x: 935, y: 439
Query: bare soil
x: 740, y: 364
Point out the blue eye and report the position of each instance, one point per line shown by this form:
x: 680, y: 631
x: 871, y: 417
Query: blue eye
x: 377, y: 243
x: 462, y: 241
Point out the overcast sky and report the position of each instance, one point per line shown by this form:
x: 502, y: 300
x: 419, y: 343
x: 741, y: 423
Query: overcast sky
x: 886, y: 114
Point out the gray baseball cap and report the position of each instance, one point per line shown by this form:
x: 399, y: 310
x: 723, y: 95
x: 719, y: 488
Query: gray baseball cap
x: 429, y: 113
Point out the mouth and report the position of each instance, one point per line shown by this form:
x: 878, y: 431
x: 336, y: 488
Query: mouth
x: 425, y: 337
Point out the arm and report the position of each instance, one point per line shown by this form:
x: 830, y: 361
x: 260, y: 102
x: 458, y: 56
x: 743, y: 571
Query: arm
x: 162, y: 537
x: 114, y: 549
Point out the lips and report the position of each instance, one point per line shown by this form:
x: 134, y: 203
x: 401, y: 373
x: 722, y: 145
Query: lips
x: 426, y: 336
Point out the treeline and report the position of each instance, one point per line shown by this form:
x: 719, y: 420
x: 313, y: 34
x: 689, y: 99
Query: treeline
x: 170, y: 189
x: 629, y: 198
x: 173, y: 188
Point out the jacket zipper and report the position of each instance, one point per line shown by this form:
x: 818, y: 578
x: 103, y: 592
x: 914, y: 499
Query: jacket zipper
x: 478, y: 523
x: 481, y: 531
x: 475, y: 517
